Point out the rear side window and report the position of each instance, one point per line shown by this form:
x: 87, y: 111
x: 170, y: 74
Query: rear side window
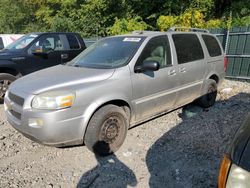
x: 188, y: 48
x: 1, y: 43
x: 212, y: 45
x: 73, y: 42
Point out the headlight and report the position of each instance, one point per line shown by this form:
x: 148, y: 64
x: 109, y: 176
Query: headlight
x: 238, y: 177
x: 53, y: 100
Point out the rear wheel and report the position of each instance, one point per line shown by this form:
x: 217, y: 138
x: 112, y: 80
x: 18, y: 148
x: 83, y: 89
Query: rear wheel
x: 107, y: 130
x: 5, y: 81
x: 209, y: 98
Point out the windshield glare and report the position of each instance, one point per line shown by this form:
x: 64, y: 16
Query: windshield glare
x: 108, y: 53
x: 22, y: 42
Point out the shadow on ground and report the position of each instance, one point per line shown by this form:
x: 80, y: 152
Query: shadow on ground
x: 189, y: 154
x: 109, y: 172
x: 186, y: 156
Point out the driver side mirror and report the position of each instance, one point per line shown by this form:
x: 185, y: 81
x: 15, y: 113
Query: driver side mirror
x: 147, y: 65
x: 38, y: 51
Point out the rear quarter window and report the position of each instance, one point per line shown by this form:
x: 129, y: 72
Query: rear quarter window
x: 212, y: 45
x: 73, y: 42
x: 188, y: 48
x: 1, y: 43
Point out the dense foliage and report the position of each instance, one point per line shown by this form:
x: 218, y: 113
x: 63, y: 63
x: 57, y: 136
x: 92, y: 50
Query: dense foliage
x: 105, y: 17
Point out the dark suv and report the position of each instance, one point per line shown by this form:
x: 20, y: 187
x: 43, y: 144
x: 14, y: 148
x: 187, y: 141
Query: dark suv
x: 37, y: 51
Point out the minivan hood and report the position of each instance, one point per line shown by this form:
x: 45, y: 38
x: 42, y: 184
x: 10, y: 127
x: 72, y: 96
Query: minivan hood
x: 59, y: 77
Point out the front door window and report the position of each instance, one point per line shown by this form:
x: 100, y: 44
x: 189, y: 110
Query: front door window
x: 47, y: 44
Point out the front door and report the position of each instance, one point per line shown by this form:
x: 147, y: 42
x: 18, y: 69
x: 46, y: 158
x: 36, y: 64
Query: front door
x: 153, y: 92
x: 45, y: 52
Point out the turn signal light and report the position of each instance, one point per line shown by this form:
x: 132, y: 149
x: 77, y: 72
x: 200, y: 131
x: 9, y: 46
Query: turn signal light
x: 224, y: 169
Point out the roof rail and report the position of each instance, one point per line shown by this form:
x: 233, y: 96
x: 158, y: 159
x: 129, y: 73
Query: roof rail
x: 188, y: 29
x: 138, y: 32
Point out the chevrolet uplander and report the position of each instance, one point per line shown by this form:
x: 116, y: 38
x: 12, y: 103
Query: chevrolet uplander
x: 116, y: 83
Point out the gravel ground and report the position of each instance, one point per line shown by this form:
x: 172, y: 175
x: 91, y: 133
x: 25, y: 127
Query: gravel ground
x: 180, y: 149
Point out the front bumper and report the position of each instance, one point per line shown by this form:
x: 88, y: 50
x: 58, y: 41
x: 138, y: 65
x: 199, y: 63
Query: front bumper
x: 57, y: 127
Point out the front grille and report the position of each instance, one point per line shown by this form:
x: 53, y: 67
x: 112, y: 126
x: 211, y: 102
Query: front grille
x: 15, y: 114
x: 16, y: 99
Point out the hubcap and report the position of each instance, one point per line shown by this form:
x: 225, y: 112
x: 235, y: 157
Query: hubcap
x: 110, y: 129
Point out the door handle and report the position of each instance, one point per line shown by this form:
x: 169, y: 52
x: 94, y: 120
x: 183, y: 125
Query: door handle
x: 172, y: 72
x: 64, y: 56
x: 182, y: 69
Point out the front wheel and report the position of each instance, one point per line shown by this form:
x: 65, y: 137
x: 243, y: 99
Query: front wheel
x: 106, y: 130
x: 5, y: 81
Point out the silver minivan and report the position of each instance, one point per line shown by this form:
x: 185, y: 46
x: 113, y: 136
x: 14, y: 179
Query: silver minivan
x: 118, y: 82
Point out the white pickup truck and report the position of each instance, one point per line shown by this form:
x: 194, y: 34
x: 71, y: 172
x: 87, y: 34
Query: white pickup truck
x: 6, y: 39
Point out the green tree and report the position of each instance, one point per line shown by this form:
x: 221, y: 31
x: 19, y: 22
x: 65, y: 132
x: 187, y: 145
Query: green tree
x: 165, y: 22
x: 95, y: 16
x: 12, y: 17
x: 214, y: 23
x: 122, y: 26
x: 103, y: 17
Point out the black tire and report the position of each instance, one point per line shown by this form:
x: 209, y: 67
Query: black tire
x: 5, y: 81
x: 106, y: 130
x: 209, y: 98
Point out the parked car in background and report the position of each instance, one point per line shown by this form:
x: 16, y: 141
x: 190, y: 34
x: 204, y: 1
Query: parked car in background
x: 6, y: 39
x: 114, y: 84
x: 235, y: 166
x: 34, y: 52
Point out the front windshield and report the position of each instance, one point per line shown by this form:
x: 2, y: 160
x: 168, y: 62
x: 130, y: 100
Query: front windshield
x: 22, y: 42
x: 108, y: 53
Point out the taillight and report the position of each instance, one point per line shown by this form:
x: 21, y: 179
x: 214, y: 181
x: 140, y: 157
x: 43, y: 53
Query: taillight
x: 224, y: 169
x: 225, y: 63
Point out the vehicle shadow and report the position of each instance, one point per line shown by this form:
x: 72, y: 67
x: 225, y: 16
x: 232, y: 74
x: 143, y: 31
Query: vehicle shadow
x: 109, y: 172
x: 189, y: 154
